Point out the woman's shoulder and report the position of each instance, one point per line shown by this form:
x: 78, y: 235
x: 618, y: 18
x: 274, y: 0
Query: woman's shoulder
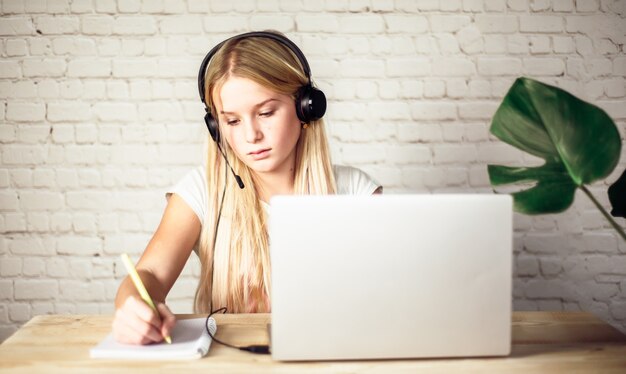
x: 194, y: 179
x: 192, y: 189
x: 353, y: 181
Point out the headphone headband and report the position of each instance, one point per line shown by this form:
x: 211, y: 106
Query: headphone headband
x: 310, y: 102
x: 261, y: 34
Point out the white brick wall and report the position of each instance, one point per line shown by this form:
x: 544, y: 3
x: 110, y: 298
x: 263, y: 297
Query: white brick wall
x: 99, y: 115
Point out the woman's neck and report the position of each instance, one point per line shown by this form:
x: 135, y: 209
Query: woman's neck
x: 276, y: 183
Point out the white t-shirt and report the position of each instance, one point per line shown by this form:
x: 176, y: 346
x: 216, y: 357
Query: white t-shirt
x: 193, y: 189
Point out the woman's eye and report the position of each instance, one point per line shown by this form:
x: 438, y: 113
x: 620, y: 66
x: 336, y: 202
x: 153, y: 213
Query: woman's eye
x: 266, y: 114
x: 232, y: 122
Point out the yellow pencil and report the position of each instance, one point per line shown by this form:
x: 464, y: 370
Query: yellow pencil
x: 140, y: 287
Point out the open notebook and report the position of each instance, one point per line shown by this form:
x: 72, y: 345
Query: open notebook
x: 189, y: 341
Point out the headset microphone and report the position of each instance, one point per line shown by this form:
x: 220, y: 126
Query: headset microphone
x: 237, y: 178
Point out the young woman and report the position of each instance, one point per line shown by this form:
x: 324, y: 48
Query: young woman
x: 249, y: 88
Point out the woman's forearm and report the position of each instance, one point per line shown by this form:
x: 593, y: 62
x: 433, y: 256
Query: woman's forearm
x: 127, y: 288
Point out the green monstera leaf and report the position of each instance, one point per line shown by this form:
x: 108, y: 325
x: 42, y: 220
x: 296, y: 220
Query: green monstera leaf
x: 578, y: 141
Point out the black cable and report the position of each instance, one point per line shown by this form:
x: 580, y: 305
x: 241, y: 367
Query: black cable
x: 217, y: 225
x: 258, y: 349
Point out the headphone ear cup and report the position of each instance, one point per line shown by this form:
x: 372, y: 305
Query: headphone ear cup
x: 213, y: 127
x: 310, y: 104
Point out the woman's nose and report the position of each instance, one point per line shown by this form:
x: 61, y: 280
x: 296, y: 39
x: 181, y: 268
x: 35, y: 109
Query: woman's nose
x: 253, y: 131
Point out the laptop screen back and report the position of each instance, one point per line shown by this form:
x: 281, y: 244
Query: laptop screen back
x: 390, y: 276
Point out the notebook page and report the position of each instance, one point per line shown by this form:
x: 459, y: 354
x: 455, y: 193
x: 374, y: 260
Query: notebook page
x: 189, y: 341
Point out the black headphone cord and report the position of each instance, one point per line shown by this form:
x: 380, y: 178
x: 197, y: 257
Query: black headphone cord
x: 258, y: 349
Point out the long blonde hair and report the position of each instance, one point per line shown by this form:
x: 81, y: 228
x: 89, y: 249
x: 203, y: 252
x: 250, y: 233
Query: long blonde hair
x: 236, y: 274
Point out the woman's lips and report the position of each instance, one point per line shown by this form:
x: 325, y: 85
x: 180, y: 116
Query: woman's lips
x: 260, y: 154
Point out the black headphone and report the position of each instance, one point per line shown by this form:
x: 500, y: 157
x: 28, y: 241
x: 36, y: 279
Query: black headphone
x: 310, y: 101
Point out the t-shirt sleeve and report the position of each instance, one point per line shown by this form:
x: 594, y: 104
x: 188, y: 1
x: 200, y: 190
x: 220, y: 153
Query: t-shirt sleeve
x: 353, y: 181
x: 192, y: 189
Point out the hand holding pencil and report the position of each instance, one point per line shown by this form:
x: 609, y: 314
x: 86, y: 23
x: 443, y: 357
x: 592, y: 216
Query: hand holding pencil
x: 141, y: 321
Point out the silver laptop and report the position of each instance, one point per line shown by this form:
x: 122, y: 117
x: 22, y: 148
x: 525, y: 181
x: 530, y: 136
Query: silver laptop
x: 390, y: 276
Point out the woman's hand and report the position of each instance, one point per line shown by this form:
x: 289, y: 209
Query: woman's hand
x: 136, y: 323
x: 159, y: 267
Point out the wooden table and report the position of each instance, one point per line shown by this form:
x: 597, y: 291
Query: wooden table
x: 542, y: 342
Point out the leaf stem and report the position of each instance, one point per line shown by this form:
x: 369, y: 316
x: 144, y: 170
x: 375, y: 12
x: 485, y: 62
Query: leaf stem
x: 604, y: 212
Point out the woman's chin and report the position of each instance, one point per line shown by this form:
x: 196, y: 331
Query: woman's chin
x: 270, y: 165
x: 262, y: 167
